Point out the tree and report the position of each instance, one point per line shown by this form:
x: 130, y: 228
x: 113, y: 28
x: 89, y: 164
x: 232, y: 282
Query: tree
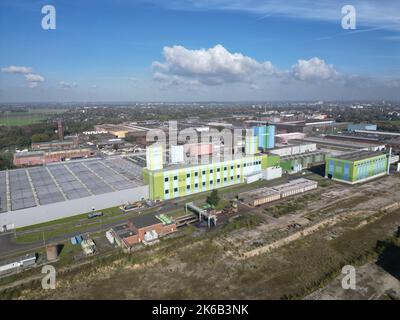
x: 40, y: 137
x: 213, y: 198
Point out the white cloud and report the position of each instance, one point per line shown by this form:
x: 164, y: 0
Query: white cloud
x: 17, y: 69
x: 31, y: 77
x: 68, y: 85
x: 370, y: 13
x: 33, y: 80
x: 211, y: 66
x: 314, y: 70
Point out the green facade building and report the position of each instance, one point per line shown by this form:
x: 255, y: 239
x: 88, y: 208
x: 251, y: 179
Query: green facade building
x: 174, y: 182
x: 356, y: 167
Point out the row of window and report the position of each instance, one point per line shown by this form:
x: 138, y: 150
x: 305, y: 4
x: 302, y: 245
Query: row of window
x: 196, y: 174
x: 196, y: 185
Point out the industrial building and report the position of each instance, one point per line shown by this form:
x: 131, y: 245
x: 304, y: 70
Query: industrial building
x: 178, y: 181
x: 34, y: 158
x: 121, y: 130
x: 142, y: 228
x: 264, y: 195
x: 357, y: 167
x: 266, y: 136
x: 15, y: 264
x: 361, y: 126
x: 294, y: 148
x: 40, y: 194
x: 297, y: 162
x: 310, y: 126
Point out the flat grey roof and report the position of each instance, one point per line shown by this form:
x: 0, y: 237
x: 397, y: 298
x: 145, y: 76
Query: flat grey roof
x: 63, y: 181
x: 359, y: 155
x: 145, y: 221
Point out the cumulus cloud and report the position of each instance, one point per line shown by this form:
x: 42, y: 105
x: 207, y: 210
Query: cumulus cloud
x: 211, y: 66
x: 32, y: 79
x: 17, y: 69
x: 314, y: 70
x: 68, y: 85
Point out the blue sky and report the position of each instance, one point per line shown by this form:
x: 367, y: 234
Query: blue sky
x: 103, y: 50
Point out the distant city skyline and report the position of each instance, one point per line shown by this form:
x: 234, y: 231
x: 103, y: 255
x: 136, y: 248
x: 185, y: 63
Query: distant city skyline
x: 153, y: 50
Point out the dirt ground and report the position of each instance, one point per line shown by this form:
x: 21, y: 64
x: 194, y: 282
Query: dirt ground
x: 205, y: 266
x: 372, y: 282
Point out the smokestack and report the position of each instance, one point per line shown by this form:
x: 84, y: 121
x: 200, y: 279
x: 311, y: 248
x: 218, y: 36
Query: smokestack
x: 60, y: 130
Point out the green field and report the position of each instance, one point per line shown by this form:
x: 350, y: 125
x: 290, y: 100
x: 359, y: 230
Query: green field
x: 11, y: 118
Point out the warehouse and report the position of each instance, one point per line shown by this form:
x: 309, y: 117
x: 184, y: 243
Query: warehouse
x: 264, y: 195
x: 25, y: 261
x: 297, y: 162
x: 40, y: 194
x: 356, y: 167
x: 295, y: 186
x: 142, y: 228
x: 294, y: 148
x: 259, y: 196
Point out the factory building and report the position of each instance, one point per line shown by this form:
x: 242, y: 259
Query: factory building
x: 266, y: 136
x: 143, y: 228
x: 356, y: 167
x: 154, y: 157
x: 251, y: 145
x: 361, y: 126
x: 295, y: 186
x: 34, y: 158
x: 293, y: 149
x: 298, y: 162
x: 173, y: 182
x: 25, y: 261
x: 264, y: 195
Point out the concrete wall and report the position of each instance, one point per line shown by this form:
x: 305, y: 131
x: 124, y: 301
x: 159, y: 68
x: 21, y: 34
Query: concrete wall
x: 59, y: 210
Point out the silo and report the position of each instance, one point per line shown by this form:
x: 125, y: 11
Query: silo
x: 52, y: 252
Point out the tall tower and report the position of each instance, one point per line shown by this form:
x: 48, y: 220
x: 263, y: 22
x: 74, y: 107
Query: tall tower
x: 154, y: 157
x: 60, y: 130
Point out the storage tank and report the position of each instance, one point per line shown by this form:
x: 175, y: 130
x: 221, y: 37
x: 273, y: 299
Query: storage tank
x: 52, y: 252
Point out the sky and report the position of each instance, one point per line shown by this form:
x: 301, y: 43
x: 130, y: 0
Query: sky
x: 199, y: 50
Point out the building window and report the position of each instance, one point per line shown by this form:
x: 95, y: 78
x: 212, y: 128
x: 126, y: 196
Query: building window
x: 196, y: 174
x: 196, y: 185
x: 231, y: 178
x: 188, y: 187
x: 218, y: 180
x: 211, y: 182
x: 175, y: 189
x: 238, y: 176
x: 211, y: 171
x: 225, y: 179
x: 166, y: 191
x: 188, y: 175
x: 231, y: 167
x: 244, y: 165
x: 218, y: 169
x: 204, y: 184
x: 204, y: 172
x: 166, y: 179
x: 238, y: 166
x: 225, y: 168
x: 175, y: 178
